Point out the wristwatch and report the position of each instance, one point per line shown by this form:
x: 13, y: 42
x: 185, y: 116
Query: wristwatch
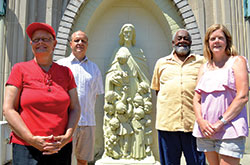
x: 222, y: 120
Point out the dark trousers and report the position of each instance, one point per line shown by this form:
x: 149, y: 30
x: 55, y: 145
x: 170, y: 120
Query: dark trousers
x: 28, y: 155
x: 172, y: 144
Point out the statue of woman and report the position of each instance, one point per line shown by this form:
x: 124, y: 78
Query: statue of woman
x: 129, y: 60
x: 128, y: 77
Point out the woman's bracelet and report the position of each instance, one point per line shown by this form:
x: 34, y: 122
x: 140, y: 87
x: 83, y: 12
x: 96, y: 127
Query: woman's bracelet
x: 222, y: 120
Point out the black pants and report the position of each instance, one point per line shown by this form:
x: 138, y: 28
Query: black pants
x: 28, y: 155
x: 172, y: 144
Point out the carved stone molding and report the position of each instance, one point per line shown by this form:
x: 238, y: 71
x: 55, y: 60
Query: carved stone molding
x: 74, y: 6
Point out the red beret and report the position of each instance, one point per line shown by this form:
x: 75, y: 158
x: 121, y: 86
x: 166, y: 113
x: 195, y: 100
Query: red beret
x: 40, y: 26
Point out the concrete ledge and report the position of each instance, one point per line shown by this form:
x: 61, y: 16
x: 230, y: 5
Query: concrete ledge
x: 110, y: 161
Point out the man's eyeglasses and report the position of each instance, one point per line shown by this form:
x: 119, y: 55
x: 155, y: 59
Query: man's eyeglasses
x: 42, y: 39
x: 83, y: 41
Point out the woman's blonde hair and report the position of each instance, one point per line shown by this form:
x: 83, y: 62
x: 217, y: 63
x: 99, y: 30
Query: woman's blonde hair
x: 230, y: 49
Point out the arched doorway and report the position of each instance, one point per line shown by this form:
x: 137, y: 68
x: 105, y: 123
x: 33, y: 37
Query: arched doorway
x: 154, y: 21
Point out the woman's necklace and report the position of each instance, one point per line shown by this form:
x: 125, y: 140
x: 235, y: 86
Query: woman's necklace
x: 46, y: 74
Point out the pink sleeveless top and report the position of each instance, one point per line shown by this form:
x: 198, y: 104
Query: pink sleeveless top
x: 217, y: 90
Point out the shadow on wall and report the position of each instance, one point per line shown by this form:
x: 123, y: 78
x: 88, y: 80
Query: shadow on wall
x: 15, y: 40
x: 11, y: 48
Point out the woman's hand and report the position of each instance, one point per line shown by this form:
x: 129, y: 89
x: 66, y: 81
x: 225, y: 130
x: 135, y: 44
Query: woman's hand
x: 218, y: 125
x: 50, y: 144
x: 207, y: 128
x: 46, y: 144
x: 62, y: 140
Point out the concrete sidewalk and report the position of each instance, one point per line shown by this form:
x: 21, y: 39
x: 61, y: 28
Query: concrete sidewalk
x: 244, y: 161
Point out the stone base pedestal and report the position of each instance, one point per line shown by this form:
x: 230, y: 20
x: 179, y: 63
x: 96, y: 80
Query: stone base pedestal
x: 111, y: 161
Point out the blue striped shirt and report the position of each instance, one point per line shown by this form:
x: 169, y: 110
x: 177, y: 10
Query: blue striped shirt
x: 89, y: 83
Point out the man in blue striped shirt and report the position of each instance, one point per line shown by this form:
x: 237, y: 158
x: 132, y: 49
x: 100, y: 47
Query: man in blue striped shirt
x: 89, y: 84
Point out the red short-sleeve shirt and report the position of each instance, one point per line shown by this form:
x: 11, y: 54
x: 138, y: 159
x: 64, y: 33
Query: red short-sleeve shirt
x: 44, y: 100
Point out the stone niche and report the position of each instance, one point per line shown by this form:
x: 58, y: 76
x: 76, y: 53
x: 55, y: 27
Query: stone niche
x: 127, y: 105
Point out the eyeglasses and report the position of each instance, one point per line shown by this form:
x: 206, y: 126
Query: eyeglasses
x: 42, y: 39
x: 83, y: 41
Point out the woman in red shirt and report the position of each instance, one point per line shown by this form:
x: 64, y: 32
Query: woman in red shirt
x: 41, y: 104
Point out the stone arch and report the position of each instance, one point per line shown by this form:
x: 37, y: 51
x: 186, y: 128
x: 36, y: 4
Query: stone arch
x: 74, y: 6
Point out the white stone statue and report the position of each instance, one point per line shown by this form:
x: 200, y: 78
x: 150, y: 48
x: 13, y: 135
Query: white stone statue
x: 128, y: 64
x: 124, y: 112
x: 128, y: 100
x: 138, y: 123
x: 112, y: 147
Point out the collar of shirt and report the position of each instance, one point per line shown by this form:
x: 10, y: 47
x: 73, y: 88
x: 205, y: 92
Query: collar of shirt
x: 171, y: 56
x: 72, y: 58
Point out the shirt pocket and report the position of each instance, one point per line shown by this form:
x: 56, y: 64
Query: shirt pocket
x: 61, y: 82
x: 33, y: 82
x: 168, y: 74
x: 191, y: 73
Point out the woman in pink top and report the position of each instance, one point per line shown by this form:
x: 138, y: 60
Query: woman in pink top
x: 220, y: 98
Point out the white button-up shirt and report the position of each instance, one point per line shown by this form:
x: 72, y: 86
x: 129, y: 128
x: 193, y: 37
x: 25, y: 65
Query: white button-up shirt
x: 89, y: 83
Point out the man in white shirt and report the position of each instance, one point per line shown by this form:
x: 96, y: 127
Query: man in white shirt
x: 89, y: 84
